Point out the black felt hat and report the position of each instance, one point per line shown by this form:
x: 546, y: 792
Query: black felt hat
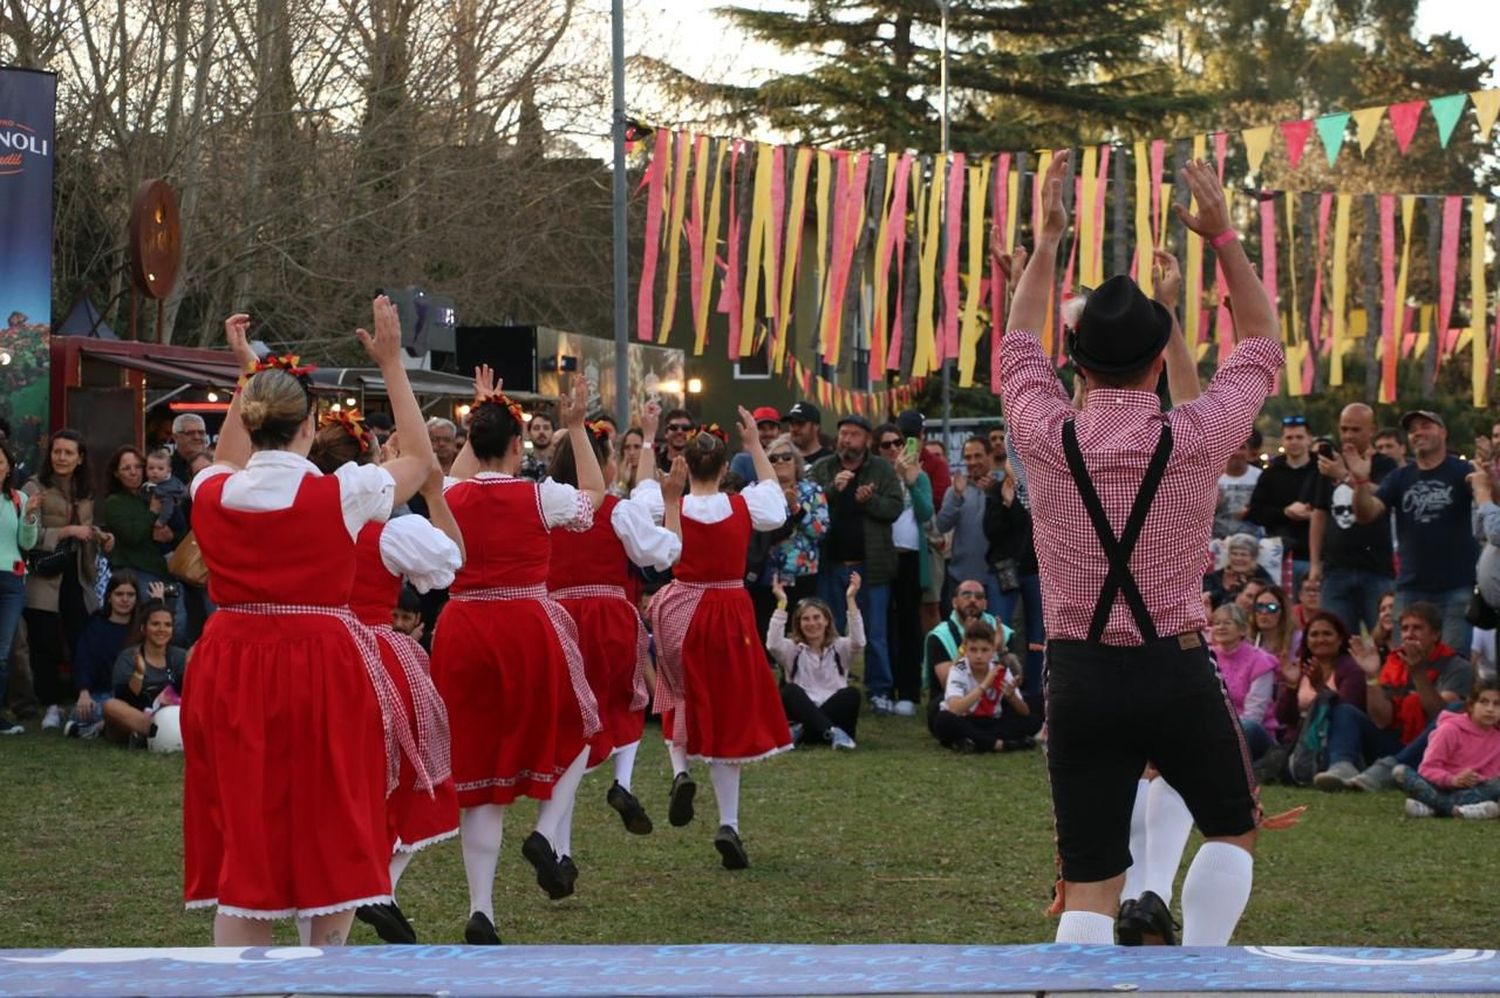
x: 1120, y: 329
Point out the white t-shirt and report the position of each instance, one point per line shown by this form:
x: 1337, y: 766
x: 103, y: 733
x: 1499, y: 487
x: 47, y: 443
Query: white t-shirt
x: 271, y: 479
x: 962, y: 682
x: 1234, y: 495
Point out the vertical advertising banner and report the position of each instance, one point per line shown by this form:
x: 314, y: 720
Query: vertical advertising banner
x: 27, y: 120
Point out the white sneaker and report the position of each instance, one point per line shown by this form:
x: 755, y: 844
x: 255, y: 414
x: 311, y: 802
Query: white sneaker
x: 906, y: 708
x: 839, y: 739
x: 882, y: 706
x: 1416, y: 809
x: 53, y: 718
x: 1483, y: 811
x: 93, y: 730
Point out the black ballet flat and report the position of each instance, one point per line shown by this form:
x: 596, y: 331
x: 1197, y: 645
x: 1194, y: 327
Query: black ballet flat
x: 637, y: 821
x: 538, y: 852
x: 388, y: 922
x: 731, y: 849
x: 567, y: 872
x: 481, y: 931
x: 680, y: 808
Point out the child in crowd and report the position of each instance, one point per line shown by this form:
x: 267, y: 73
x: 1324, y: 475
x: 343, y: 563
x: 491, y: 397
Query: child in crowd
x: 982, y: 708
x: 1460, y: 773
x: 168, y: 492
x: 815, y: 691
x: 407, y: 616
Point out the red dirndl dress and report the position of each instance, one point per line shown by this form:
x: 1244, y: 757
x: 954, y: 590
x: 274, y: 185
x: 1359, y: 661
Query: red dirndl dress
x: 416, y: 816
x: 287, y: 761
x: 505, y: 655
x: 717, y: 696
x: 591, y: 577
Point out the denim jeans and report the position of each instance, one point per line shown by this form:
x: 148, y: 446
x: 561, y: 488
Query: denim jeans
x: 1444, y: 801
x: 874, y: 606
x: 1412, y: 754
x: 1355, y: 596
x: 1300, y: 568
x: 1354, y: 738
x: 1030, y: 595
x: 12, y: 602
x: 1453, y: 604
x: 1257, y: 739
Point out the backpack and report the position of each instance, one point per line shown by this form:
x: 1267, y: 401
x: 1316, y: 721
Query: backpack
x: 1310, y: 751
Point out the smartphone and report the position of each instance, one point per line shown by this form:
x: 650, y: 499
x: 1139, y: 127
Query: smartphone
x: 1325, y: 449
x: 912, y: 446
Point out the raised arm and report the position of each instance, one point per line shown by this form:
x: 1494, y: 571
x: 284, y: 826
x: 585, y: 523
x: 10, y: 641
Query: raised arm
x: 672, y: 488
x: 466, y: 465
x: 750, y: 441
x: 1028, y: 310
x: 1253, y: 314
x: 645, y: 468
x: 1182, y: 372
x: 573, y: 407
x: 234, y: 448
x: 410, y: 470
x: 438, y: 510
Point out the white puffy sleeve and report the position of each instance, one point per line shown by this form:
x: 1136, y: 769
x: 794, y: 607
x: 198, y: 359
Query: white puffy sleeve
x: 766, y: 503
x: 413, y: 548
x: 566, y: 507
x: 212, y: 471
x: 368, y: 492
x: 648, y: 494
x: 647, y: 544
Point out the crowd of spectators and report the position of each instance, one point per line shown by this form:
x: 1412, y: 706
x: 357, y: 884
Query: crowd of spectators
x: 897, y: 579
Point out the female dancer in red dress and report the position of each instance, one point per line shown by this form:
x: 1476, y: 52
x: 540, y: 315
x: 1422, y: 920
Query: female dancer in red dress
x: 717, y: 698
x: 419, y: 813
x: 290, y: 723
x: 505, y: 655
x: 591, y: 577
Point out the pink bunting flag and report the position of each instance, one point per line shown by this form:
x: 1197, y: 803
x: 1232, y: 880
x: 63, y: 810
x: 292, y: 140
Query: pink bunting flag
x: 1404, y: 120
x: 953, y: 225
x: 1001, y: 212
x: 1448, y: 275
x: 1296, y: 133
x: 656, y: 185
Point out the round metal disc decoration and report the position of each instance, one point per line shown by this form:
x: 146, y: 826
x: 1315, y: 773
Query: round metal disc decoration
x: 155, y: 238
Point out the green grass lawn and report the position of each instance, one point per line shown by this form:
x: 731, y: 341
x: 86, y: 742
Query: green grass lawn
x: 899, y: 841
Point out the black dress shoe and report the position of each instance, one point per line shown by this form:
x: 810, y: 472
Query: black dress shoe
x: 567, y: 872
x: 388, y: 922
x: 680, y: 808
x: 481, y: 931
x: 637, y: 822
x: 538, y: 852
x: 1146, y: 921
x: 731, y: 849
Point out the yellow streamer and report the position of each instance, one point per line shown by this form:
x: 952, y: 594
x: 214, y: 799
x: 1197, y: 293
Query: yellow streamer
x: 979, y: 182
x: 1408, y: 215
x: 710, y: 251
x: 674, y: 234
x: 1084, y: 211
x: 1477, y: 343
x: 801, y: 167
x: 1143, y: 240
x: 932, y: 218
x: 1013, y: 203
x: 760, y: 220
x: 1340, y: 287
x: 1043, y: 164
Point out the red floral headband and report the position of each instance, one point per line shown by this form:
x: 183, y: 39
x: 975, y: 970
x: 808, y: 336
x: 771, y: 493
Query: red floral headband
x: 501, y: 399
x: 600, y: 428
x: 353, y: 425
x: 713, y: 430
x: 290, y: 363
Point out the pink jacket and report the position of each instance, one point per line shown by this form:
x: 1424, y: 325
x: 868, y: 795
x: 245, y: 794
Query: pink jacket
x: 1459, y: 744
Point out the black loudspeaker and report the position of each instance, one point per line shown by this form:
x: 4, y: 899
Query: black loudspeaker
x: 509, y: 350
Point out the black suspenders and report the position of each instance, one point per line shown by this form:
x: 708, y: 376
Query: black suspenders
x: 1120, y: 580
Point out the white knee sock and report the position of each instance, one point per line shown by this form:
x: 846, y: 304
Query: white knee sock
x: 399, y: 861
x: 480, y: 832
x: 1087, y: 927
x: 1135, y: 876
x: 1215, y: 893
x: 1168, y: 824
x: 678, y: 755
x: 564, y: 841
x: 726, y: 777
x: 304, y: 930
x: 625, y: 764
x: 550, y: 815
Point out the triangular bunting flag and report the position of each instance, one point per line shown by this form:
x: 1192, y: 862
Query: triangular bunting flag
x: 1296, y: 133
x: 1446, y: 112
x: 1487, y: 107
x: 1257, y: 141
x: 1331, y: 129
x: 1366, y: 125
x: 1404, y: 118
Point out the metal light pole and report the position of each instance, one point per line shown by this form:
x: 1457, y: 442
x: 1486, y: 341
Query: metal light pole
x: 621, y: 234
x: 943, y: 120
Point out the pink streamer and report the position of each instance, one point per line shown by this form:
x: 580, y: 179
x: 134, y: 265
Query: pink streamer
x: 1448, y: 275
x: 656, y: 178
x: 1100, y: 189
x: 954, y: 191
x: 1158, y: 161
x: 1268, y: 275
x: 898, y: 209
x: 1315, y: 319
x: 895, y: 223
x: 1001, y: 203
x: 729, y: 298
x: 846, y: 233
x: 1390, y: 320
x: 695, y: 234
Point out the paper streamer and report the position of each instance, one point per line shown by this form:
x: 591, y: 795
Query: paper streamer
x: 1331, y: 128
x: 1403, y: 312
x: 1145, y: 242
x: 1296, y: 133
x: 1192, y: 277
x: 1404, y: 119
x: 1391, y: 312
x: 952, y: 225
x: 1340, y: 288
x: 898, y: 316
x: 729, y: 294
x: 684, y: 159
x: 1223, y: 319
x: 1446, y: 112
x: 1088, y: 224
x: 1257, y: 142
x: 823, y: 210
x: 1367, y: 126
x: 1448, y: 274
x: 884, y: 243
x: 854, y: 177
x: 1315, y: 316
x: 1000, y: 208
x: 1477, y: 341
x: 972, y: 332
x: 656, y: 182
x: 697, y: 265
x: 1296, y: 350
x: 791, y: 256
x: 1268, y: 275
x: 932, y: 220
x: 1486, y: 109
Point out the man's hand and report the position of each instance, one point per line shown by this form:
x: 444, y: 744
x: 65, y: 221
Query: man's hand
x: 1367, y: 655
x: 863, y: 493
x: 650, y: 417
x: 1213, y: 212
x: 1298, y: 511
x: 985, y: 483
x: 842, y: 479
x: 1054, y: 215
x: 1482, y: 484
x: 384, y: 347
x: 1315, y: 572
x: 1167, y: 275
x: 960, y: 482
x: 1334, y: 467
x: 1357, y: 463
x: 1416, y: 662
x: 485, y: 384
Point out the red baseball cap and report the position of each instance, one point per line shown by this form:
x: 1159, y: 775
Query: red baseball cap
x: 766, y: 414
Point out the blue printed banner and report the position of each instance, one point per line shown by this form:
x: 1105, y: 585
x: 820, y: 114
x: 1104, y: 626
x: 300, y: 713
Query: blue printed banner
x: 28, y: 102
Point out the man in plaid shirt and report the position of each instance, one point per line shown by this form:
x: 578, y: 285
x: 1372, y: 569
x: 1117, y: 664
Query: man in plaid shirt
x: 1123, y: 500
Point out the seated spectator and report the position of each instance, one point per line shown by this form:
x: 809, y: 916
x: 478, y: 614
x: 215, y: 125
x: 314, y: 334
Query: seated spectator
x: 1271, y: 623
x: 792, y: 550
x: 147, y: 674
x: 1225, y: 584
x: 1385, y: 636
x: 815, y: 693
x: 1245, y: 599
x: 944, y: 643
x: 1404, y: 696
x: 1249, y: 677
x: 1459, y: 775
x: 1322, y: 664
x: 982, y: 708
x: 1309, y: 602
x: 98, y: 646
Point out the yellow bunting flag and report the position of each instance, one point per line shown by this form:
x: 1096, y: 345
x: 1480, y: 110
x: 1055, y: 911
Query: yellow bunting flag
x: 801, y: 168
x: 1192, y: 284
x: 1143, y: 240
x: 979, y: 182
x: 1340, y: 287
x: 761, y: 233
x: 1366, y: 125
x: 1486, y: 108
x: 684, y: 150
x: 710, y: 251
x: 1481, y: 356
x: 1084, y: 212
x: 925, y: 348
x: 1257, y: 141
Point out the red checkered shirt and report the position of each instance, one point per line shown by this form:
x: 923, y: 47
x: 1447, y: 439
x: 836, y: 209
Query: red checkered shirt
x: 1118, y: 431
